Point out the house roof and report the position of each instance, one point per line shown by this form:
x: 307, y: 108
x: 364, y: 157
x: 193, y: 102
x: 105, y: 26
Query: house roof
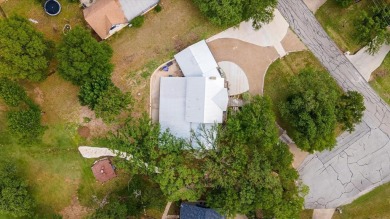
x: 134, y: 8
x: 189, y: 211
x: 188, y: 102
x: 197, y: 61
x: 103, y: 170
x: 104, y: 14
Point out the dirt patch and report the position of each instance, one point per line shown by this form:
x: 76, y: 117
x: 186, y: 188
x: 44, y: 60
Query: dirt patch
x: 96, y: 126
x: 75, y: 210
x: 254, y: 60
x: 84, y: 131
x: 38, y: 96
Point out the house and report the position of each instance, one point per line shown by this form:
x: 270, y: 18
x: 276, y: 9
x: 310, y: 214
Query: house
x: 194, y: 102
x: 194, y: 211
x: 107, y: 17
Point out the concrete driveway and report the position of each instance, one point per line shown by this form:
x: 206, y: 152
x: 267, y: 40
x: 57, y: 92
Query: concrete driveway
x: 361, y: 159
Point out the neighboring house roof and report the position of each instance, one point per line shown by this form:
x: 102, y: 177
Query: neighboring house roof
x: 188, y: 102
x: 103, y: 15
x: 197, y: 61
x: 134, y: 8
x: 188, y: 211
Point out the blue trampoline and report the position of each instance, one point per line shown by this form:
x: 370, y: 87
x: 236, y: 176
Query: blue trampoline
x: 52, y: 7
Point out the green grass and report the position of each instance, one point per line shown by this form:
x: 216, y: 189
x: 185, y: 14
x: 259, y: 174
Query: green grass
x: 338, y: 22
x: 375, y: 204
x: 381, y: 79
x: 306, y: 214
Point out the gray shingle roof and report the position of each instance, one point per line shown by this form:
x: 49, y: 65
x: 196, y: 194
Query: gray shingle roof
x: 188, y: 211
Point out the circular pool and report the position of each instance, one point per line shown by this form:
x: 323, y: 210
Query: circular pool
x: 52, y: 7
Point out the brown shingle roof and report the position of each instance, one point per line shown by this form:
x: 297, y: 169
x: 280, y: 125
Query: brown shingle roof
x: 102, y: 15
x: 103, y: 170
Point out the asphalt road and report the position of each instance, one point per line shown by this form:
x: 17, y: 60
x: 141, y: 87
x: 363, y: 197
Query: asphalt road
x: 361, y: 160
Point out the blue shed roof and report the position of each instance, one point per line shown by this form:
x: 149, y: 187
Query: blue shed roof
x: 188, y: 211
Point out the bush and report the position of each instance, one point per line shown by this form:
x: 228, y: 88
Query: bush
x: 111, y: 103
x: 91, y: 91
x: 11, y: 92
x: 158, y: 8
x: 26, y: 124
x: 137, y: 21
x: 15, y: 200
x: 344, y: 3
x: 25, y: 54
x: 82, y: 58
x: 350, y: 110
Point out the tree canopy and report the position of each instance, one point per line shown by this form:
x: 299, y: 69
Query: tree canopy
x: 246, y: 169
x: 350, y: 108
x: 372, y: 30
x: 228, y: 13
x: 11, y: 92
x: 15, y: 200
x: 310, y: 110
x: 81, y: 58
x: 24, y: 53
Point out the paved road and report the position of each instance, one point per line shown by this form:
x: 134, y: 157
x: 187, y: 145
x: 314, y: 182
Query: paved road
x: 361, y: 160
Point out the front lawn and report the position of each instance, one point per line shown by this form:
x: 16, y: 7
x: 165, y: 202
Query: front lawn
x: 375, y: 204
x: 338, y: 22
x: 381, y: 79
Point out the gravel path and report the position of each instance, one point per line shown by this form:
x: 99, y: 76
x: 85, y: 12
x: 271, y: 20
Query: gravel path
x: 361, y: 160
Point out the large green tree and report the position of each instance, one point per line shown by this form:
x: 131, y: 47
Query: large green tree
x: 12, y: 93
x: 15, y: 200
x: 228, y: 13
x: 24, y: 53
x: 81, y: 58
x: 350, y: 108
x: 310, y: 109
x: 372, y: 29
x: 246, y: 169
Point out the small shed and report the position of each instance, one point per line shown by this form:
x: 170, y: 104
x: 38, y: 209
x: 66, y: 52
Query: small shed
x: 103, y: 170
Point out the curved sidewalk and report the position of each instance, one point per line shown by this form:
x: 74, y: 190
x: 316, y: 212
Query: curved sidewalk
x: 361, y: 160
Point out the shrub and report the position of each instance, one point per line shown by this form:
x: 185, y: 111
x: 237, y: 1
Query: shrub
x: 158, y: 8
x: 24, y: 52
x: 11, y: 92
x: 91, y: 91
x: 137, y: 21
x: 344, y: 3
x: 111, y: 103
x: 25, y: 124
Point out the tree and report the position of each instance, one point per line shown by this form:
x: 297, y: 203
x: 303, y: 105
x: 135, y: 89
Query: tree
x: 310, y: 110
x: 12, y: 93
x: 372, y: 30
x: 92, y: 90
x: 111, y: 102
x: 112, y: 210
x: 249, y: 168
x: 15, y: 200
x: 81, y: 58
x: 345, y: 3
x: 228, y: 13
x: 24, y: 53
x: 350, y: 109
x: 25, y: 124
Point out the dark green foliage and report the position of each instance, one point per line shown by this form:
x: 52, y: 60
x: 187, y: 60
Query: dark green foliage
x: 372, y: 29
x: 344, y: 3
x: 110, y: 103
x: 82, y: 58
x: 310, y: 110
x: 12, y: 93
x: 249, y: 168
x: 350, y: 109
x: 15, y: 199
x: 92, y: 90
x: 112, y: 210
x: 25, y: 124
x: 24, y: 53
x: 229, y: 13
x: 246, y: 169
x: 137, y: 21
x: 158, y: 8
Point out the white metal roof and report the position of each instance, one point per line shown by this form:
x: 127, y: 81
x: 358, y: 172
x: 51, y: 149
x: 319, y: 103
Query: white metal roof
x: 197, y: 61
x: 134, y: 8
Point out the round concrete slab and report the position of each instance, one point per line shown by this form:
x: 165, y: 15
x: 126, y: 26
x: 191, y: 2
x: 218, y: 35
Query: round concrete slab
x: 238, y: 82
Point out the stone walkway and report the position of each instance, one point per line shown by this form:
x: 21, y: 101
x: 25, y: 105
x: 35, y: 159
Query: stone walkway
x: 361, y: 160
